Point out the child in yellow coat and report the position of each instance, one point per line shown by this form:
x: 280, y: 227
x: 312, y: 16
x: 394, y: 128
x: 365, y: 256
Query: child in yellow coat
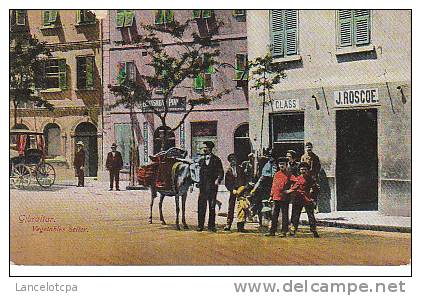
x: 243, y: 204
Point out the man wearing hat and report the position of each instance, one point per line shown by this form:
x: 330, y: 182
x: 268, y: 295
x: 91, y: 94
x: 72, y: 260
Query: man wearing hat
x: 234, y: 178
x: 292, y: 165
x: 211, y: 175
x: 114, y: 164
x: 248, y: 167
x: 312, y: 160
x: 281, y: 183
x: 79, y: 164
x: 303, y: 190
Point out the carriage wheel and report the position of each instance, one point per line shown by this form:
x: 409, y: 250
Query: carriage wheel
x: 21, y: 176
x: 45, y: 175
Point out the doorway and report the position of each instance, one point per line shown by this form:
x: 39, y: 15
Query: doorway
x: 242, y: 146
x: 356, y: 160
x: 87, y: 133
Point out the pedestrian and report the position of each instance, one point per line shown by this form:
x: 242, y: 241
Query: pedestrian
x: 280, y: 198
x: 248, y: 167
x: 234, y: 178
x: 292, y: 164
x: 79, y: 164
x: 312, y: 160
x: 114, y: 163
x: 211, y: 175
x: 304, y: 193
x: 243, y: 205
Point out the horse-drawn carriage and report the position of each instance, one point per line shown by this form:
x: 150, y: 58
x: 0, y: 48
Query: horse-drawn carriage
x: 27, y: 160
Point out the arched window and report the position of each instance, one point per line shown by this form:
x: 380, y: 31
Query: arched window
x: 242, y: 146
x: 158, y: 139
x: 52, y: 135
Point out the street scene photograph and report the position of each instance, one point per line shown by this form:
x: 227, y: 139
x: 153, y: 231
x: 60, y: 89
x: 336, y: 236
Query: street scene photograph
x: 210, y: 137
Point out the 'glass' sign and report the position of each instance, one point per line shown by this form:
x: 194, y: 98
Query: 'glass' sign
x: 356, y: 97
x: 287, y: 104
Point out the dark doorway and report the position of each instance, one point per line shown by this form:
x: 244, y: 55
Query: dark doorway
x: 242, y: 146
x: 159, y: 139
x: 356, y: 160
x: 87, y: 133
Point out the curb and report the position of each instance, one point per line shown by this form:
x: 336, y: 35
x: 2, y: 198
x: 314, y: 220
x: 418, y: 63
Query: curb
x: 387, y: 228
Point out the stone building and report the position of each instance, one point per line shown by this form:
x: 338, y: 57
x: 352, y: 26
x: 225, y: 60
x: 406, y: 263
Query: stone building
x: 73, y: 85
x: 225, y: 121
x: 348, y: 91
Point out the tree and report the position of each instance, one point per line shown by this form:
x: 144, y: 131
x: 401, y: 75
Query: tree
x: 264, y: 74
x: 26, y: 55
x: 169, y: 70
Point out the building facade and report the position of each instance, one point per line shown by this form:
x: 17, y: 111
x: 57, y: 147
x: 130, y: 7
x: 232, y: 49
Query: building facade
x: 224, y: 121
x: 348, y: 91
x: 73, y: 84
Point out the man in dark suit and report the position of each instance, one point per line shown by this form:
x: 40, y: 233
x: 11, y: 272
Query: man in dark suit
x: 79, y: 164
x: 211, y: 175
x: 114, y: 164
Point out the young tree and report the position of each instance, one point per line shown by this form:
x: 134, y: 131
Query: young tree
x: 26, y: 56
x: 170, y: 69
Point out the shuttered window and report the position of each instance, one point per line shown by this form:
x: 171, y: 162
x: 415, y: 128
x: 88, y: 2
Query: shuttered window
x: 84, y: 16
x: 20, y: 17
x: 284, y: 32
x: 205, y: 14
x: 354, y: 27
x: 240, y: 66
x: 85, y: 72
x: 204, y: 81
x: 55, y: 74
x: 125, y: 18
x: 164, y: 16
x: 238, y: 12
x: 126, y: 70
x: 49, y: 18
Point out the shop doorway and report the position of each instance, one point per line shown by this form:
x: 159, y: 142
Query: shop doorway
x: 242, y: 146
x: 356, y: 160
x: 87, y: 133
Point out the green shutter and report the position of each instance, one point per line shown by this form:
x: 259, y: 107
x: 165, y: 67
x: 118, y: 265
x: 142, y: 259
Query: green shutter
x: 240, y: 66
x: 21, y: 17
x: 62, y: 81
x: 121, y: 75
x: 198, y: 82
x: 170, y: 16
x: 120, y: 18
x: 53, y: 16
x: 277, y: 32
x: 46, y: 17
x: 90, y: 62
x: 159, y: 17
x: 128, y: 18
x: 197, y: 13
x: 344, y: 27
x: 79, y: 16
x: 206, y: 14
x: 291, y: 31
x: 361, y: 26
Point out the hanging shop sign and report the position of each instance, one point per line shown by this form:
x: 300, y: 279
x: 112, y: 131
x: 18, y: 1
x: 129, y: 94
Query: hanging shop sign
x: 287, y: 104
x: 174, y: 105
x: 356, y: 97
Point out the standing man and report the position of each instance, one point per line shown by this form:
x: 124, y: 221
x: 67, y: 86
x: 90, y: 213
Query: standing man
x: 234, y: 178
x: 211, y: 175
x: 312, y: 160
x: 79, y: 164
x: 248, y: 167
x: 114, y: 164
x: 292, y: 165
x: 281, y: 183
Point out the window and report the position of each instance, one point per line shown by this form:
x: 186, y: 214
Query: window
x: 204, y: 81
x: 287, y: 132
x: 239, y: 12
x: 240, y: 66
x: 52, y: 140
x: 164, y: 16
x: 49, y: 18
x: 55, y: 74
x: 202, y: 14
x: 18, y: 18
x: 123, y: 138
x: 85, y: 72
x: 85, y: 17
x: 126, y: 70
x: 284, y: 32
x: 125, y: 18
x: 353, y: 27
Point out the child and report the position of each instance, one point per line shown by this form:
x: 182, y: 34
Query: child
x: 243, y: 204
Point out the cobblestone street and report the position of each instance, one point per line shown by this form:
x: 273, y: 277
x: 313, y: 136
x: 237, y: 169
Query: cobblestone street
x: 67, y: 225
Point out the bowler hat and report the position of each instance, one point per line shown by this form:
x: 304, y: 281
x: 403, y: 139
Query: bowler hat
x: 113, y: 145
x: 309, y: 144
x: 231, y: 157
x: 209, y: 144
x: 304, y: 165
x: 80, y: 143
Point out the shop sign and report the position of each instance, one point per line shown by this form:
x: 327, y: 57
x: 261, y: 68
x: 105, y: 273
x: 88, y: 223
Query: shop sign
x: 145, y: 143
x: 287, y: 104
x: 174, y: 105
x: 356, y: 97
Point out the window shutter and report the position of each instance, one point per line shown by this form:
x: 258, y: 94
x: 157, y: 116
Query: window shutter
x: 90, y: 62
x: 277, y: 29
x: 345, y: 27
x: 197, y: 13
x: 46, y: 17
x: 170, y: 16
x: 361, y: 26
x: 121, y: 75
x: 198, y: 82
x: 79, y: 16
x: 20, y: 17
x: 240, y: 66
x: 53, y: 16
x: 128, y: 18
x: 159, y: 17
x: 291, y: 31
x: 120, y: 18
x: 206, y: 14
x: 62, y: 79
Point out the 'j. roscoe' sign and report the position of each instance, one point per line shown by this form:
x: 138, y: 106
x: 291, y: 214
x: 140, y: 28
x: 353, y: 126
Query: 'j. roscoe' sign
x: 356, y: 97
x: 287, y: 104
x: 174, y: 105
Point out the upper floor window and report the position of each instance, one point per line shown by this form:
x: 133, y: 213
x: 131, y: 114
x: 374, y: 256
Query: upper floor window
x: 55, y: 74
x: 49, y: 18
x: 203, y: 81
x: 202, y: 14
x: 353, y: 27
x: 85, y: 17
x: 18, y: 17
x: 284, y: 32
x: 85, y: 72
x: 126, y: 70
x: 239, y: 12
x: 164, y: 16
x: 240, y: 66
x: 125, y: 18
